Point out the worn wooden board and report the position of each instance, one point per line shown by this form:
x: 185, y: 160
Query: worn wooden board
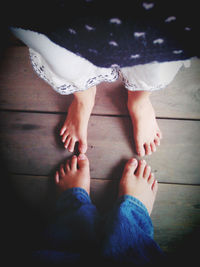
x: 22, y: 89
x: 30, y: 144
x: 175, y: 215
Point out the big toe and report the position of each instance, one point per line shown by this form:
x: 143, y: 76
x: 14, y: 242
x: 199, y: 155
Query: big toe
x: 82, y: 146
x: 140, y: 149
x: 83, y: 161
x: 131, y: 166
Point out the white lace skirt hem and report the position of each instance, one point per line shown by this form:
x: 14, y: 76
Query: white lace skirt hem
x: 68, y: 73
x: 64, y: 86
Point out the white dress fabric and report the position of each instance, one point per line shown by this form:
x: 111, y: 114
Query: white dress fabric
x: 68, y: 73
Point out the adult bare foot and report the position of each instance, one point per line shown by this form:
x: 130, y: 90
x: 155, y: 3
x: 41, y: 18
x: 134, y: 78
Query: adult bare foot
x: 76, y: 124
x: 138, y: 181
x: 146, y: 132
x: 75, y: 173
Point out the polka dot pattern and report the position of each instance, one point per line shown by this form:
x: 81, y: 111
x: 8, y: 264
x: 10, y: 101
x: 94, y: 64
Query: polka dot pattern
x: 129, y: 33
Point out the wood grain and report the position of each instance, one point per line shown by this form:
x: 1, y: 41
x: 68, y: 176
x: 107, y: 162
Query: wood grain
x: 30, y: 144
x: 31, y: 148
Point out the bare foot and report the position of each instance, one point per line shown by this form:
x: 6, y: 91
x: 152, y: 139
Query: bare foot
x: 147, y: 134
x: 138, y: 181
x: 75, y: 173
x: 76, y: 124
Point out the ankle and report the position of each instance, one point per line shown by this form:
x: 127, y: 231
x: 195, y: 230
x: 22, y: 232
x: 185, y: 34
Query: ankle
x: 86, y: 97
x: 137, y: 99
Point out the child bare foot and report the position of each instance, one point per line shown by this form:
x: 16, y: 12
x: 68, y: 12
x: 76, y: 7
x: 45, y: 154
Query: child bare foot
x: 75, y: 173
x: 147, y: 134
x: 76, y: 124
x: 138, y: 181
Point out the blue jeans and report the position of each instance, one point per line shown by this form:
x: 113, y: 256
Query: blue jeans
x: 79, y: 234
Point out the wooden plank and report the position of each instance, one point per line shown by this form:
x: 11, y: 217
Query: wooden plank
x: 175, y: 215
x: 30, y: 144
x: 181, y: 98
x: 22, y: 89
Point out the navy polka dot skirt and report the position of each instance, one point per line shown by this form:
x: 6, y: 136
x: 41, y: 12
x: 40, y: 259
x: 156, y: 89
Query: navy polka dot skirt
x: 106, y: 39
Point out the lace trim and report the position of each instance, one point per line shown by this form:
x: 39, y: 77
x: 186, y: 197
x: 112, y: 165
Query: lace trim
x: 69, y: 88
x: 134, y: 87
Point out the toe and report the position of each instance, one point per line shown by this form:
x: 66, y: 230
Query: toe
x: 64, y: 137
x: 131, y: 166
x: 140, y: 149
x: 159, y: 134
x: 155, y: 187
x: 67, y: 141
x: 62, y: 171
x: 71, y: 145
x: 157, y: 141
x: 56, y: 178
x: 67, y: 166
x: 74, y: 163
x: 83, y: 161
x: 151, y: 179
x: 153, y: 147
x: 82, y: 146
x: 63, y: 129
x: 148, y: 149
x: 141, y: 167
x: 147, y: 172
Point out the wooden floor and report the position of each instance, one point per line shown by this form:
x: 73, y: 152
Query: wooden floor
x: 31, y: 117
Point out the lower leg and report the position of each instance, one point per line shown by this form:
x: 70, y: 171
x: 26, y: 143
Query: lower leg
x: 76, y: 123
x: 147, y: 134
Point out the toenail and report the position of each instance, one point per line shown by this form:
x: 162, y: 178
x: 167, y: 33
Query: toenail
x: 82, y: 157
x: 133, y: 162
x: 140, y: 153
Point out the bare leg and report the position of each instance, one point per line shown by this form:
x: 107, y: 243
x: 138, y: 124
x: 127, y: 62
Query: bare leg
x: 76, y: 124
x: 147, y: 134
x: 138, y: 181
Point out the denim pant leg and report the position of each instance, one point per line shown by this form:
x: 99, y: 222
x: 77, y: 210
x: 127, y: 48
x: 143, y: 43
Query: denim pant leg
x: 73, y: 234
x: 129, y: 234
